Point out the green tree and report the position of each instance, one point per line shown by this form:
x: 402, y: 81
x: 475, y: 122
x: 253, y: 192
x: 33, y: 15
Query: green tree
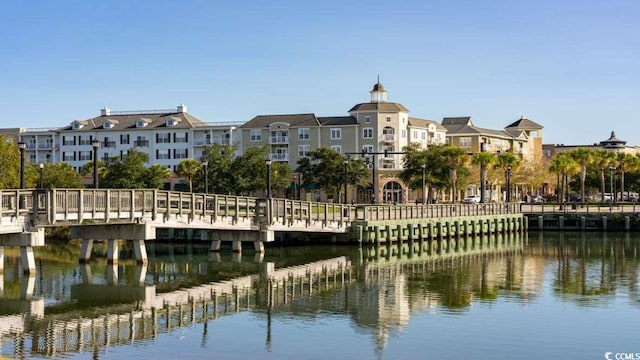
x: 506, y: 161
x: 583, y: 157
x: 10, y: 164
x: 626, y: 162
x: 154, y: 176
x: 54, y: 175
x: 564, y: 166
x: 325, y: 168
x: 455, y: 159
x: 129, y: 172
x: 189, y: 169
x: 221, y: 178
x: 484, y: 160
x: 603, y: 159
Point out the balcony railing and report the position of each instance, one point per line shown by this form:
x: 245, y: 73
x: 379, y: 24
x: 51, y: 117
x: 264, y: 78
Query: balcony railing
x: 141, y: 143
x: 387, y: 138
x: 279, y: 140
x: 279, y: 156
x: 108, y: 144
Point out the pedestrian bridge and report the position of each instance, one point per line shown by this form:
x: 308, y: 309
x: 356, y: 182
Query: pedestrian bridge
x: 136, y: 214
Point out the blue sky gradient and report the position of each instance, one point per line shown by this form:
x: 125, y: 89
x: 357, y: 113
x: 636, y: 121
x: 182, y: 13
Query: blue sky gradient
x: 572, y: 66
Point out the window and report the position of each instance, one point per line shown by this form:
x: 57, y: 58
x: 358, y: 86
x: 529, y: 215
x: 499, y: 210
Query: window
x: 181, y: 138
x: 337, y: 148
x: 256, y: 135
x: 107, y: 125
x: 163, y: 138
x: 32, y: 158
x: 85, y: 155
x: 367, y: 133
x: 84, y: 140
x: 180, y: 153
x: 124, y: 139
x: 367, y: 119
x: 141, y: 141
x: 388, y: 119
x: 415, y: 134
x: 68, y: 156
x: 303, y: 134
x: 163, y: 154
x: 336, y: 134
x: 303, y: 150
x: 424, y: 135
x: 465, y: 142
x: 71, y: 140
x: 367, y: 148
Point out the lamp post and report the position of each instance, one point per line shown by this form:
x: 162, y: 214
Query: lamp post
x: 268, y: 163
x: 612, y: 169
x: 508, y: 192
x: 424, y: 168
x: 205, y: 166
x: 22, y: 146
x: 346, y: 183
x: 41, y: 176
x: 299, y: 175
x: 482, y: 177
x: 95, y: 143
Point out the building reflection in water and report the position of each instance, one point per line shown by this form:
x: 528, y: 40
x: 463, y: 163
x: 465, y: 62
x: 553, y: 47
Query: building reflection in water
x: 93, y: 306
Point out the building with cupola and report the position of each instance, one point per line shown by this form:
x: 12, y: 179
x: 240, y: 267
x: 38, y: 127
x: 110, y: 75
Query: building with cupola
x: 374, y: 130
x: 612, y: 144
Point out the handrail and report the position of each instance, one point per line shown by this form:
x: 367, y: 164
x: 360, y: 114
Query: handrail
x: 76, y: 205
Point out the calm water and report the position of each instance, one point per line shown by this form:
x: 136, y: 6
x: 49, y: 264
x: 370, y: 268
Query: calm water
x: 571, y: 296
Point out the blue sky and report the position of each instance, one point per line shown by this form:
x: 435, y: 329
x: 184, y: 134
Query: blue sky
x: 572, y: 66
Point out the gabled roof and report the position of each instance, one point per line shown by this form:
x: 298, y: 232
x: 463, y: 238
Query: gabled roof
x: 424, y: 123
x: 128, y: 122
x: 263, y: 121
x: 457, y: 121
x: 379, y: 106
x: 337, y: 120
x: 525, y: 124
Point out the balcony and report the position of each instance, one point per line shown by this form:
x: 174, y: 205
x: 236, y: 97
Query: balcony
x: 46, y: 146
x: 387, y: 138
x: 279, y: 156
x: 279, y: 140
x: 141, y: 143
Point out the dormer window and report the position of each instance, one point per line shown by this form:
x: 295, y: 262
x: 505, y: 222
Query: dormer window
x: 109, y: 124
x: 77, y: 125
x: 171, y: 122
x: 142, y: 122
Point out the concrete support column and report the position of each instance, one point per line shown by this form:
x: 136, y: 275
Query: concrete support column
x: 27, y: 286
x: 258, y: 257
x: 267, y: 270
x: 1, y: 261
x: 141, y: 274
x: 583, y: 223
x: 1, y: 284
x: 87, y: 276
x: 112, y: 274
x: 215, y: 245
x: 140, y: 250
x: 237, y: 246
x: 258, y: 245
x: 112, y: 251
x: 27, y: 260
x: 85, y: 252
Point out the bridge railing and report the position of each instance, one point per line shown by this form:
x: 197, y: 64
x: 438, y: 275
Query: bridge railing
x: 76, y: 205
x: 401, y: 212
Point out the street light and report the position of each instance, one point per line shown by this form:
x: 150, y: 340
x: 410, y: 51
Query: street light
x: 205, y: 165
x: 22, y: 146
x: 346, y: 183
x: 41, y: 176
x: 424, y: 168
x: 96, y: 145
x: 508, y: 192
x: 268, y: 162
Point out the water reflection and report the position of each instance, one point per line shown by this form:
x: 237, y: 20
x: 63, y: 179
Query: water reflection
x: 68, y: 308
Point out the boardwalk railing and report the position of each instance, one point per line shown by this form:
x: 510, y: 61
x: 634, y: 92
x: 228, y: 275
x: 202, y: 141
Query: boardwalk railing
x: 578, y: 208
x: 59, y: 206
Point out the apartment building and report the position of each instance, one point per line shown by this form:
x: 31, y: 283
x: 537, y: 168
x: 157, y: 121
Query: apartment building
x: 376, y: 129
x: 522, y: 138
x: 167, y: 136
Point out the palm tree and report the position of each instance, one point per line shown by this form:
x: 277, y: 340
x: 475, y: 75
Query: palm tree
x: 583, y: 157
x: 564, y: 165
x: 603, y: 159
x: 455, y: 158
x: 188, y: 169
x: 626, y: 163
x: 484, y: 159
